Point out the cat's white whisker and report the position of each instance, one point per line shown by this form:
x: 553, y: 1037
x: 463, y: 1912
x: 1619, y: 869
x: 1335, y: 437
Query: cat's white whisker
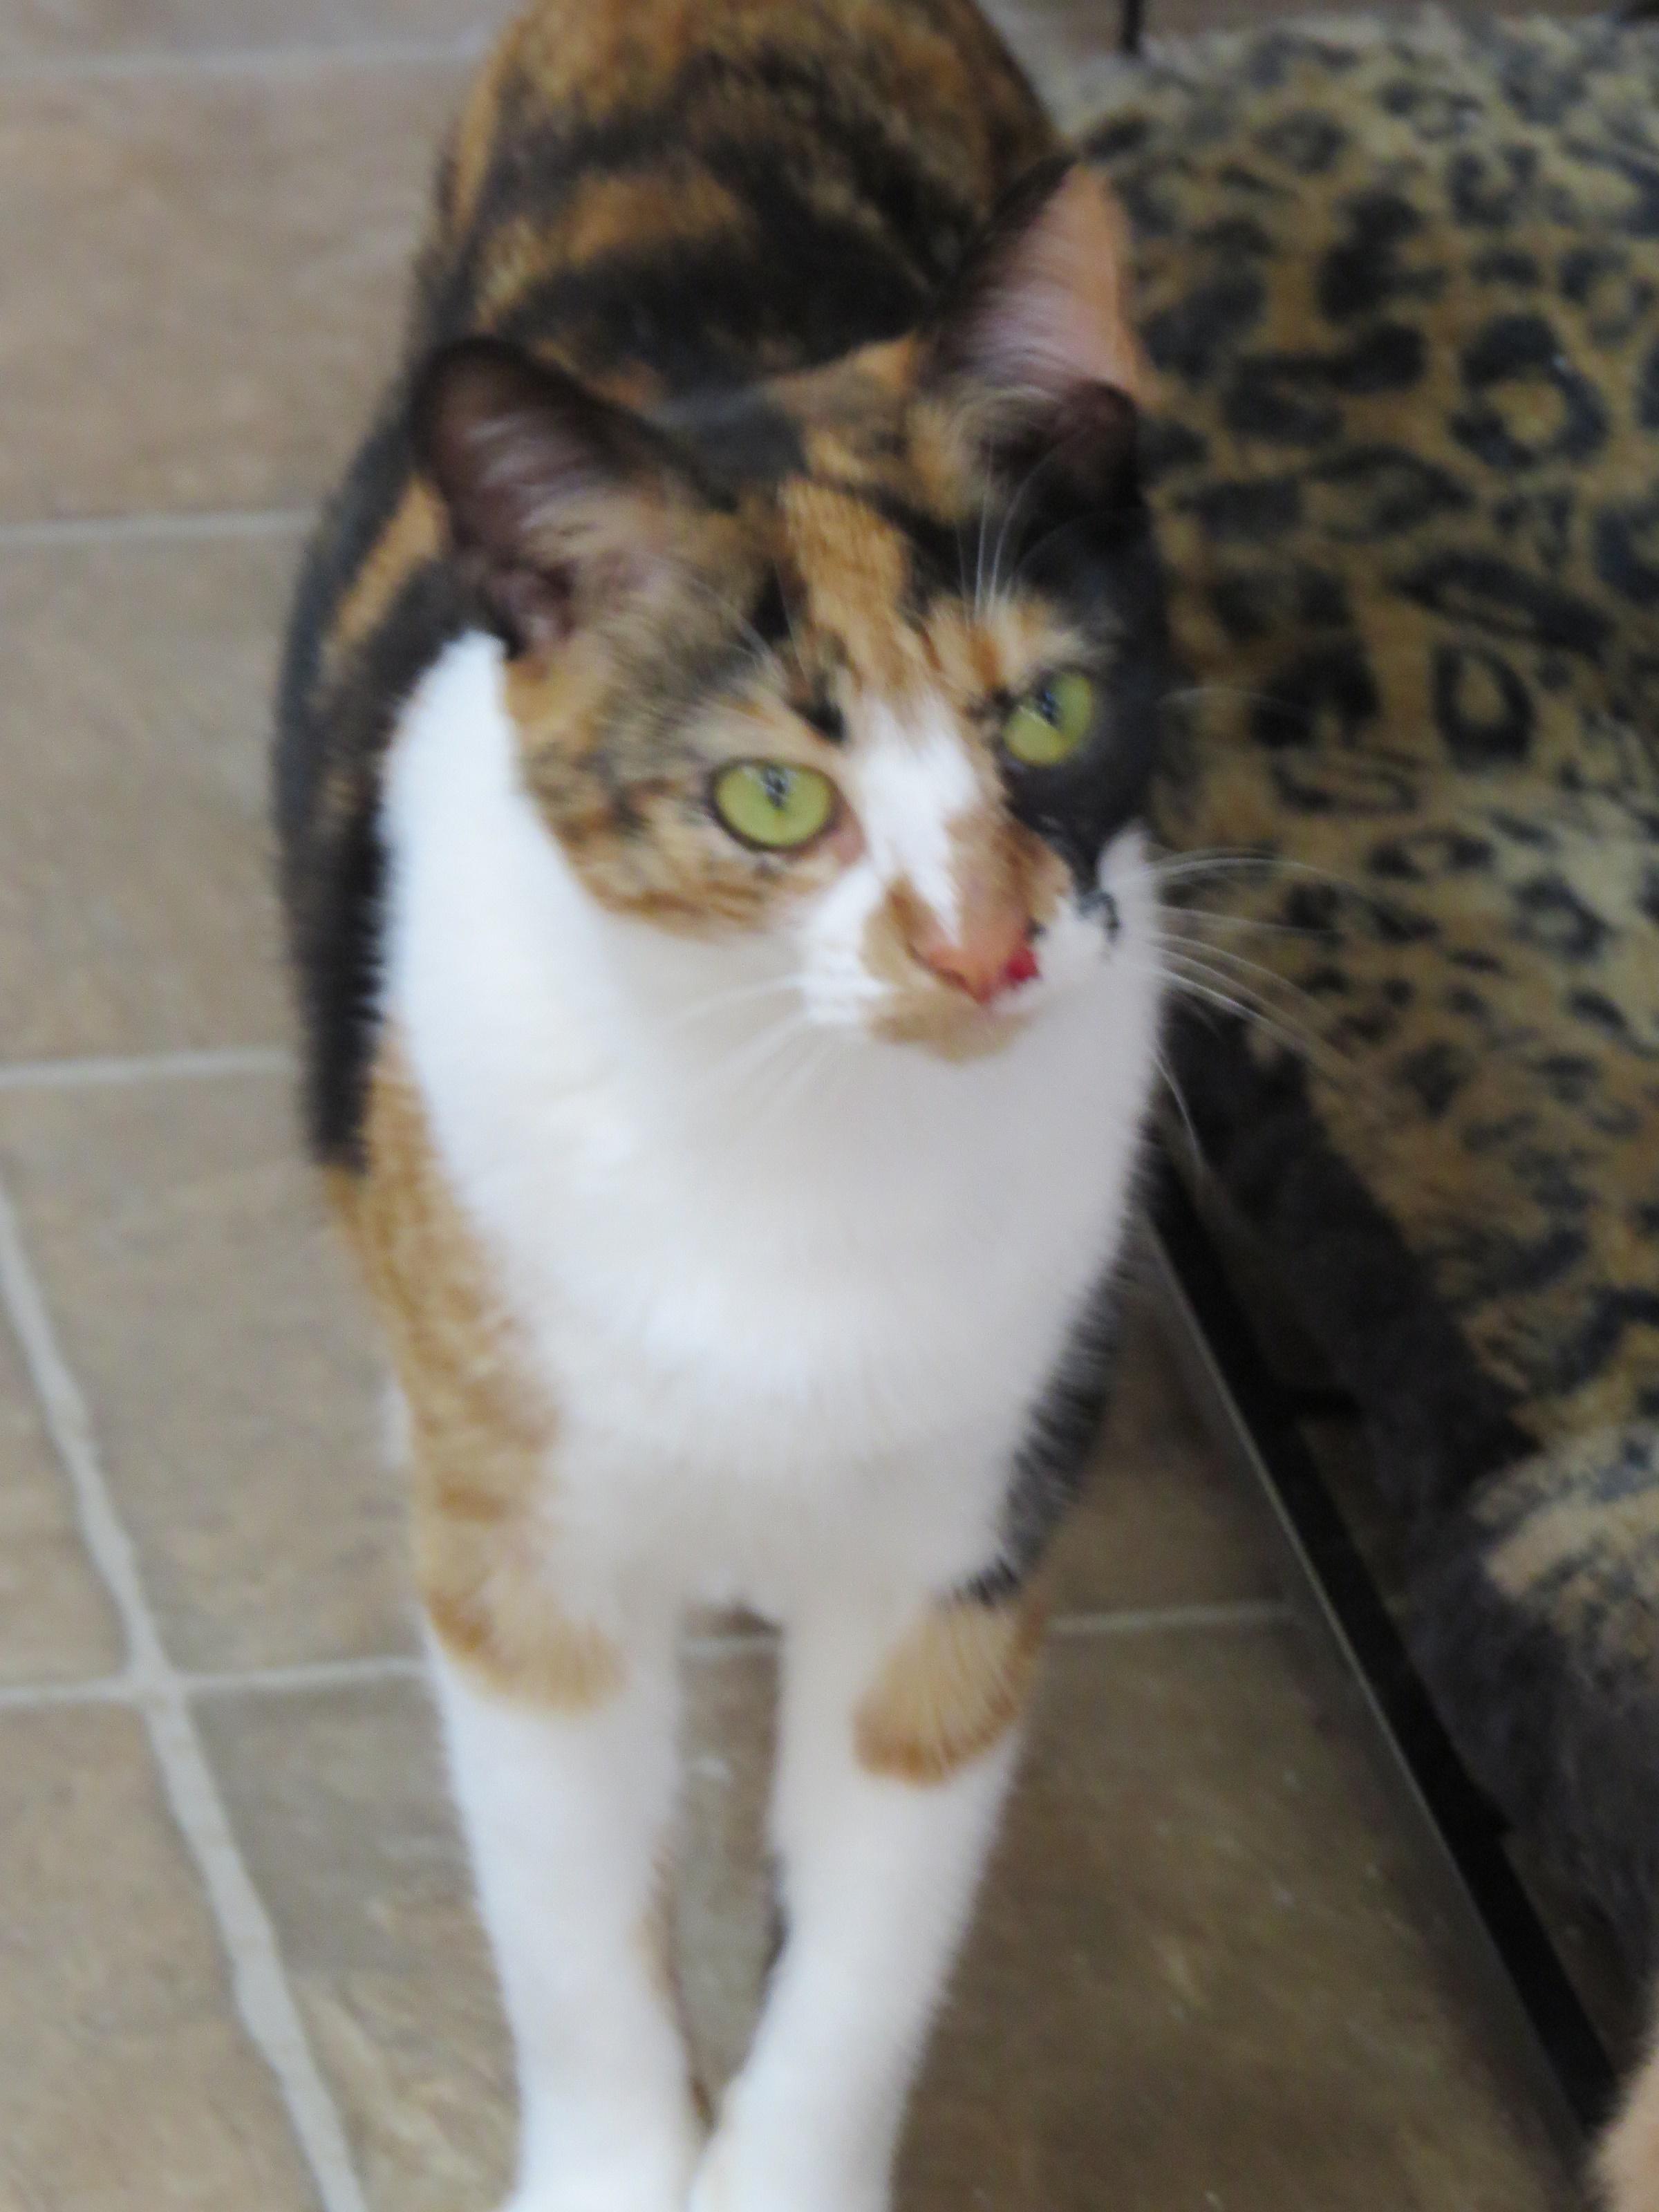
x: 1168, y: 1076
x: 979, y: 556
x: 1010, y: 515
x: 1243, y: 999
x: 1181, y: 867
x: 1223, y: 991
x: 1039, y: 544
x: 790, y: 1081
x: 742, y: 1065
x: 1189, y: 694
x: 1177, y: 867
x: 1212, y: 918
x: 722, y: 1001
x: 1237, y: 962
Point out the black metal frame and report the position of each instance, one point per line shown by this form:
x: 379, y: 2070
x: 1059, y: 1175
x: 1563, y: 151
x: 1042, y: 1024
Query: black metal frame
x: 1260, y: 1418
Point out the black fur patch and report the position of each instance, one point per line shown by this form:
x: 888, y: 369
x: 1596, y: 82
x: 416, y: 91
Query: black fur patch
x: 699, y: 315
x: 334, y: 864
x: 1101, y: 563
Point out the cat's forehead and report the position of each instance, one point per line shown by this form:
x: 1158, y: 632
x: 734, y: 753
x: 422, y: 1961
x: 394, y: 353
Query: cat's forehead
x: 851, y: 417
x: 849, y: 569
x: 876, y: 540
x: 843, y: 465
x: 901, y: 617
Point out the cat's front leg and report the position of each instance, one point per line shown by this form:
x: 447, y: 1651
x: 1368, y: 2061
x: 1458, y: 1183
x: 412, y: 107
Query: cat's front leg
x: 566, y: 1801
x: 895, y: 1751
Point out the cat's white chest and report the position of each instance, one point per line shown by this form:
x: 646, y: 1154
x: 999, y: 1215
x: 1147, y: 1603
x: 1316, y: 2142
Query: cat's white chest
x: 793, y: 1324
x: 771, y: 1365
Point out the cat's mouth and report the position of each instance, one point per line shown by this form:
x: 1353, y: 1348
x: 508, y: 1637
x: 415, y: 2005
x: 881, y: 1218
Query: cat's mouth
x: 954, y: 1025
x: 962, y: 997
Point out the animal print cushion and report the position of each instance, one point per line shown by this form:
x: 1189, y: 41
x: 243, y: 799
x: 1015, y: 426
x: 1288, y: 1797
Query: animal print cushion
x: 1402, y: 286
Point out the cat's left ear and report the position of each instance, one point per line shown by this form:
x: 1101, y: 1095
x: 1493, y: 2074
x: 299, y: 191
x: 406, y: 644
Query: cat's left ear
x: 1035, y: 336
x: 559, y: 502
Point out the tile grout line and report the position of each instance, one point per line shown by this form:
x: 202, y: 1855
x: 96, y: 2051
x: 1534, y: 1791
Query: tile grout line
x: 182, y: 523
x: 50, y: 1697
x: 408, y: 1667
x: 307, y: 1675
x: 131, y: 1688
x: 305, y: 55
x: 119, y: 1069
x: 260, y: 1986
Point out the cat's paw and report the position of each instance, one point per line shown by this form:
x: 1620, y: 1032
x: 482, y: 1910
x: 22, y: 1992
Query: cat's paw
x: 729, y: 2180
x: 607, y: 2191
x: 599, y: 2198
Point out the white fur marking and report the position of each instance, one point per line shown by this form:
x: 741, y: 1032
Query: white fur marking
x: 911, y: 779
x: 795, y: 1292
x: 568, y: 1818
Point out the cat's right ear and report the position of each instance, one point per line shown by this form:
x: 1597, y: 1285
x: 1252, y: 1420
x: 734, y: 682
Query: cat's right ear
x: 557, y: 501
x: 1034, y: 342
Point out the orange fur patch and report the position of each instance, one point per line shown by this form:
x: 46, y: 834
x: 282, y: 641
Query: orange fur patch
x: 953, y: 1688
x: 483, y: 1434
x: 997, y: 862
x: 676, y: 205
x: 414, y: 535
x: 853, y: 569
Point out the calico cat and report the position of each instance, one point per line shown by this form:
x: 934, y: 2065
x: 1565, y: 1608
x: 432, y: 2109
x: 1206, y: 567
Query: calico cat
x: 715, y: 719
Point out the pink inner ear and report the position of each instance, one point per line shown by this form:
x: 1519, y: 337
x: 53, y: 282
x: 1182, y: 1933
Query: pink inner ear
x: 1059, y: 315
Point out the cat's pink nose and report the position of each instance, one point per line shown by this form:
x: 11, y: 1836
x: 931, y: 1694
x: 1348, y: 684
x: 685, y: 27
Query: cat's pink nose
x: 984, y: 962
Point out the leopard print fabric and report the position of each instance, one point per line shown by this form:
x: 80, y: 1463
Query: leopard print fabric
x: 1401, y: 284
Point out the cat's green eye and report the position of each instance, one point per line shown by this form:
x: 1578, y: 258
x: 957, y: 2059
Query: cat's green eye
x: 1051, y: 722
x: 773, y: 805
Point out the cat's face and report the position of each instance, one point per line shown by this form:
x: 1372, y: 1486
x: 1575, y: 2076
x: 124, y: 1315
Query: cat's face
x: 862, y: 664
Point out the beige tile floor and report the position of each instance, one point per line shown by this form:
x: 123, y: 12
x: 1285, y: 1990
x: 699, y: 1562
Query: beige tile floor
x: 239, y: 1972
